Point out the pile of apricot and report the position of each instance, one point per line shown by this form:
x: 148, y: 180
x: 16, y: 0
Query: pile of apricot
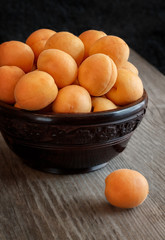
x: 68, y: 73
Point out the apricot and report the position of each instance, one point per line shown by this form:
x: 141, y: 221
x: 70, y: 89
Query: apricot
x: 9, y: 76
x: 16, y: 53
x: 129, y: 66
x: 126, y: 188
x: 97, y: 74
x: 72, y: 99
x: 68, y: 43
x: 102, y: 104
x: 113, y: 46
x: 35, y: 90
x: 89, y: 37
x: 127, y: 89
x: 60, y: 65
x: 37, y: 40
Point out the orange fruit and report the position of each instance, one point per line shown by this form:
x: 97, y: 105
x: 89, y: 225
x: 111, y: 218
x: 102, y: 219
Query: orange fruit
x: 68, y: 43
x: 72, y: 99
x: 37, y: 40
x: 97, y: 74
x: 89, y: 37
x: 102, y: 104
x: 129, y: 66
x: 126, y: 188
x: 9, y: 76
x: 113, y: 46
x: 16, y: 53
x: 127, y: 89
x: 35, y: 90
x: 60, y: 65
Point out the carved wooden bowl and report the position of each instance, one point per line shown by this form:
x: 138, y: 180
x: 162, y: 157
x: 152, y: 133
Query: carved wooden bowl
x: 69, y: 143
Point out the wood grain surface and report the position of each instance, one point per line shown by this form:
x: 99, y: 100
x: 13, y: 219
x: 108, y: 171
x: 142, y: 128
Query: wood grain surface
x: 40, y: 206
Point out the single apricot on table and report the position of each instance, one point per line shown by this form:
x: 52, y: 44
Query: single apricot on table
x: 68, y: 43
x: 35, y: 90
x: 72, y: 99
x: 37, y: 40
x: 60, y: 65
x: 9, y: 76
x: 97, y: 74
x: 126, y: 188
x: 113, y: 46
x: 16, y: 53
x: 127, y: 89
x: 89, y: 37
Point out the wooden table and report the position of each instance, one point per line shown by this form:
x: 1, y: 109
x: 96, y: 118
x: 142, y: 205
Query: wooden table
x: 40, y: 206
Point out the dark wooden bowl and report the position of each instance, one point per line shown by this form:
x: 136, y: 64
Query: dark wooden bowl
x: 70, y: 143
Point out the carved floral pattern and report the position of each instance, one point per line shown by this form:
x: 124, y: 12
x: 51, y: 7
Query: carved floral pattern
x: 36, y: 133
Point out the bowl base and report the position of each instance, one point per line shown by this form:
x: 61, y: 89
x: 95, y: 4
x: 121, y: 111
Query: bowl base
x: 67, y: 170
x: 67, y: 160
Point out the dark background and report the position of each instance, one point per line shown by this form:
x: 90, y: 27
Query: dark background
x: 140, y: 23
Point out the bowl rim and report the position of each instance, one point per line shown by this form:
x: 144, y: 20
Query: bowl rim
x: 114, y: 114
